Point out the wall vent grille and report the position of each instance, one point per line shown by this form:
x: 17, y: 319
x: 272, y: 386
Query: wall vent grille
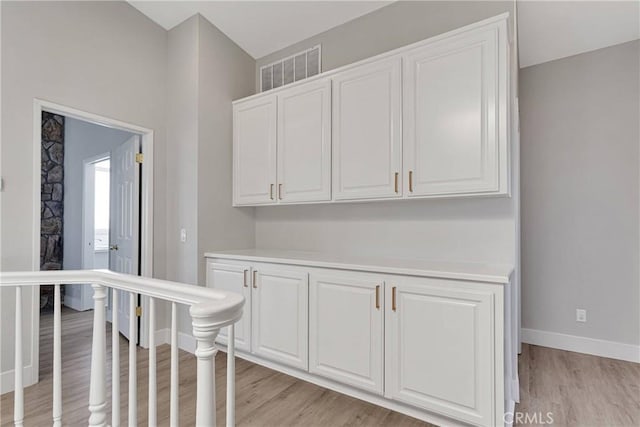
x: 291, y: 69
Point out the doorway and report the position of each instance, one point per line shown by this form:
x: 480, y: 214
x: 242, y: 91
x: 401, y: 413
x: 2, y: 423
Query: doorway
x: 96, y: 213
x: 101, y: 193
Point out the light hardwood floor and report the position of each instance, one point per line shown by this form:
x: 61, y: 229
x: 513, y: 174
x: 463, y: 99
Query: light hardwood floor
x: 579, y: 390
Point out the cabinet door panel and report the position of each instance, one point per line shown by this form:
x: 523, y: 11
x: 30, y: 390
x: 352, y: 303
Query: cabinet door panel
x: 440, y: 349
x: 233, y: 278
x: 451, y: 116
x: 367, y: 136
x: 304, y: 143
x: 254, y: 151
x: 345, y: 328
x: 280, y: 316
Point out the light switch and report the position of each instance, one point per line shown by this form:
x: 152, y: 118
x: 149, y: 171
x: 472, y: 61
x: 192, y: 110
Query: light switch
x: 183, y: 235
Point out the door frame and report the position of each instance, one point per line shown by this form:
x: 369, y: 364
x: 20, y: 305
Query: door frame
x: 146, y: 209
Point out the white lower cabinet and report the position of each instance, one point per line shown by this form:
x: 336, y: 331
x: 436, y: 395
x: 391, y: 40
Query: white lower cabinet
x: 233, y: 278
x: 280, y: 315
x: 434, y: 348
x: 439, y: 348
x: 346, y: 341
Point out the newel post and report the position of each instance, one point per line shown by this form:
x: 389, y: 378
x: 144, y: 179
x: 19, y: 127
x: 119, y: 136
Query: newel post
x: 97, y: 390
x: 205, y: 332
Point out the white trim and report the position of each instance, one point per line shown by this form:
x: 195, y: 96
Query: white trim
x: 596, y: 347
x: 7, y: 378
x: 186, y: 342
x: 146, y: 226
x: 424, y: 415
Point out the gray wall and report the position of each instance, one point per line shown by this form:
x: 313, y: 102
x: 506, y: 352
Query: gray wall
x: 580, y: 223
x: 101, y: 57
x: 465, y: 230
x: 390, y: 27
x: 82, y: 140
x: 226, y: 73
x: 206, y: 72
x: 182, y: 151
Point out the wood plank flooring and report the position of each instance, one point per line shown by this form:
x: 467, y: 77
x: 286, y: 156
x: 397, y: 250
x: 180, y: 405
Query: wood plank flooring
x: 580, y: 390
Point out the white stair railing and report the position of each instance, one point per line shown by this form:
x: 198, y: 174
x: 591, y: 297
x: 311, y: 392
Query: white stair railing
x: 210, y: 310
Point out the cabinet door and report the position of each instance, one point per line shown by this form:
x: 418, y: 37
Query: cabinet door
x: 233, y: 278
x: 254, y: 151
x: 280, y: 316
x: 304, y: 143
x: 454, y: 99
x: 367, y: 140
x: 439, y: 348
x: 345, y: 328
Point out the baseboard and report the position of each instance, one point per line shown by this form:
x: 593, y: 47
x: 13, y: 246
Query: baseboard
x: 75, y: 303
x: 7, y: 379
x: 515, y: 389
x: 186, y: 342
x: 378, y: 400
x: 610, y: 349
x: 163, y: 336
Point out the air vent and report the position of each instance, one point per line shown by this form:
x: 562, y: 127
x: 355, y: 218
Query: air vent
x: 291, y: 69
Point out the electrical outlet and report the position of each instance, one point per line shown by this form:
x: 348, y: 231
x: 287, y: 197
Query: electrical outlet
x: 183, y: 235
x: 581, y: 315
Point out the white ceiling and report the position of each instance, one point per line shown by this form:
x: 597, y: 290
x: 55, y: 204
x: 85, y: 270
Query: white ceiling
x: 261, y: 27
x: 547, y: 30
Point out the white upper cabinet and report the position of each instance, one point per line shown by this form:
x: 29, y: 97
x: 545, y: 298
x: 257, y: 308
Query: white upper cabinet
x: 427, y: 120
x: 455, y: 138
x: 367, y: 138
x: 254, y: 151
x: 304, y: 143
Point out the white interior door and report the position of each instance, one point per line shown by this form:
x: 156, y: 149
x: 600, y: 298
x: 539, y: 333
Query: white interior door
x: 125, y: 219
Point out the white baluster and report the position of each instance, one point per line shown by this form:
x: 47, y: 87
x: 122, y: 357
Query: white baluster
x: 97, y: 391
x: 231, y: 377
x: 115, y: 359
x: 57, y: 358
x: 205, y: 334
x: 18, y: 394
x: 133, y: 372
x: 174, y: 367
x: 152, y: 363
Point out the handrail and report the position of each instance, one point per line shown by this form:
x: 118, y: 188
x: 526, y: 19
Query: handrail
x: 210, y: 310
x: 223, y: 306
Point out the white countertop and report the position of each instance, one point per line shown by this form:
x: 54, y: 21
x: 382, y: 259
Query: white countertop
x: 492, y: 273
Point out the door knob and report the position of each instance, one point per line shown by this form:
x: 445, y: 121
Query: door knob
x: 113, y: 247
